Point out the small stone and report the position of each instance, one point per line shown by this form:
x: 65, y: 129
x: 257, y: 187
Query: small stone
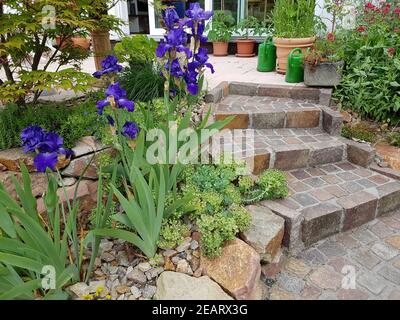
x: 136, y: 293
x: 195, y: 263
x: 310, y: 293
x: 168, y: 265
x: 291, y: 283
x: 194, y: 245
x: 121, y: 297
x: 106, y: 245
x: 144, y: 266
x: 196, y: 253
x: 149, y: 291
x: 184, y: 267
x: 152, y: 273
x: 198, y: 273
x: 122, y: 289
x: 175, y: 259
x: 185, y: 245
x: 106, y: 256
x: 137, y: 276
x: 113, y: 269
x: 79, y: 289
x: 169, y: 253
x: 68, y: 182
x: 122, y: 259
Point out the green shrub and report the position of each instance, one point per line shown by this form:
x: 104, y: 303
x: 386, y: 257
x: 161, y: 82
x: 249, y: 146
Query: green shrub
x: 371, y: 79
x: 273, y: 182
x: 172, y: 234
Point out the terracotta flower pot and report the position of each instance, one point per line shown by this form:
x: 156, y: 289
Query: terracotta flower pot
x: 80, y: 42
x: 245, y: 48
x: 285, y: 45
x: 220, y: 49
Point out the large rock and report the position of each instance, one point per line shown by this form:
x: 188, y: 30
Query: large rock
x: 237, y: 270
x: 87, y: 145
x: 39, y: 182
x: 266, y: 232
x: 11, y: 159
x: 77, y: 166
x: 178, y: 286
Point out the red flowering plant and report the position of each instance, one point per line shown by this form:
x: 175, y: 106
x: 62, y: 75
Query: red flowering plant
x: 371, y: 81
x: 325, y: 50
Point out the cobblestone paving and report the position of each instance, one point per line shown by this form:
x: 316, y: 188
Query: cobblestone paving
x: 360, y: 264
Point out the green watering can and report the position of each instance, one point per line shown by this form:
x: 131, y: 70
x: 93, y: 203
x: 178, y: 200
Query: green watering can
x: 295, y: 68
x: 266, y: 56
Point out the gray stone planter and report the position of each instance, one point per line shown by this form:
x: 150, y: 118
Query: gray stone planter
x: 324, y: 74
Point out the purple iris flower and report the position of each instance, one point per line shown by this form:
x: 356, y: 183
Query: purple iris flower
x: 197, y: 13
x: 51, y: 143
x: 170, y: 17
x: 31, y: 137
x: 119, y: 94
x: 175, y: 68
x: 110, y: 65
x: 174, y: 39
x: 130, y: 130
x: 45, y: 160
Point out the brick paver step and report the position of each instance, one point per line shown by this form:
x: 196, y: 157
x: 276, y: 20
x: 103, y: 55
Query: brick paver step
x: 283, y: 149
x: 332, y: 198
x: 268, y: 112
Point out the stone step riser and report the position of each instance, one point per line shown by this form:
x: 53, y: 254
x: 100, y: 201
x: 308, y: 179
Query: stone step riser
x: 274, y: 119
x: 318, y: 208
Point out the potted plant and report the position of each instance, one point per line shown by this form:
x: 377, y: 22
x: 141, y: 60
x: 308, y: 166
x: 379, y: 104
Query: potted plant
x: 294, y: 28
x: 220, y: 32
x: 323, y: 64
x: 245, y: 46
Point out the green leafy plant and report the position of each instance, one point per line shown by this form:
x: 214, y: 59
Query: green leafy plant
x: 172, y: 233
x: 294, y: 18
x: 251, y: 26
x: 27, y: 36
x: 31, y: 243
x: 371, y: 79
x: 359, y: 131
x: 137, y: 48
x: 220, y: 29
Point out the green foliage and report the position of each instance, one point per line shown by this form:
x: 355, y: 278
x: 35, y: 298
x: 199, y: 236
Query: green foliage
x: 215, y: 230
x: 172, y: 233
x: 246, y: 183
x: 29, y: 242
x: 137, y: 48
x: 294, y: 18
x: 371, y: 80
x: 71, y: 122
x: 359, y: 131
x: 271, y: 185
x: 27, y: 34
x: 221, y: 27
x: 251, y: 26
x: 394, y: 138
x: 142, y: 81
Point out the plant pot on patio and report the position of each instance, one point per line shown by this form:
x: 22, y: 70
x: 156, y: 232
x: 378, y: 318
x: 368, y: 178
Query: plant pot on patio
x: 220, y: 32
x: 245, y: 48
x: 81, y: 42
x: 285, y: 45
x: 323, y: 74
x: 294, y: 28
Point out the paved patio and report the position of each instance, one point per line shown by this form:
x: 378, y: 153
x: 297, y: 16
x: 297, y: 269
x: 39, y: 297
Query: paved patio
x: 367, y: 257
x: 228, y: 68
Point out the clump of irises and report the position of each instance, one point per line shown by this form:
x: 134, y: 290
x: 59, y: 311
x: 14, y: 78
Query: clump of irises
x: 46, y: 145
x: 116, y: 98
x: 181, y: 61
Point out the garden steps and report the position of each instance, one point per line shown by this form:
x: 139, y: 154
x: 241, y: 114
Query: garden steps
x: 294, y: 129
x: 283, y: 149
x: 332, y: 198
